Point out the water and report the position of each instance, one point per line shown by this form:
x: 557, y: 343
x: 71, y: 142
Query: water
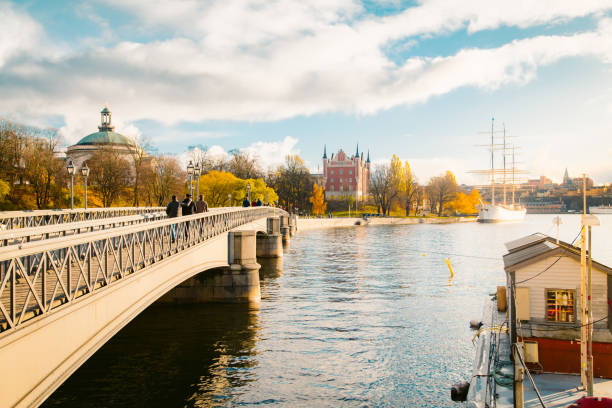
x: 356, y: 317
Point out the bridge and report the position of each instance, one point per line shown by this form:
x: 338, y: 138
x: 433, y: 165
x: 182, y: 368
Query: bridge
x: 69, y: 285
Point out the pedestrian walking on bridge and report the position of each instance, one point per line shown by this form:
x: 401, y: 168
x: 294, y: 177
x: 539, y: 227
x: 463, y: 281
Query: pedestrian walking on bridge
x: 201, y: 205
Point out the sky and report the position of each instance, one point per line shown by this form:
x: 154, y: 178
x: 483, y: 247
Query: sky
x: 419, y: 79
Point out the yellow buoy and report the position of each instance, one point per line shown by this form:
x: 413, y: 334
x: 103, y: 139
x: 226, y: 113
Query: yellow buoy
x: 450, y: 268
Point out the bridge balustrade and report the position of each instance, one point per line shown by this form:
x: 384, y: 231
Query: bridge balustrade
x: 22, y: 235
x: 44, y: 275
x: 27, y: 219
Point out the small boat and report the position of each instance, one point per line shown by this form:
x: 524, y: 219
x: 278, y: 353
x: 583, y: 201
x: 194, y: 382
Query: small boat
x: 601, y: 209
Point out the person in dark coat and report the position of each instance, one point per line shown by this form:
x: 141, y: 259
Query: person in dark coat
x: 246, y: 202
x: 172, y: 211
x: 172, y: 208
x: 188, y: 205
x: 259, y: 203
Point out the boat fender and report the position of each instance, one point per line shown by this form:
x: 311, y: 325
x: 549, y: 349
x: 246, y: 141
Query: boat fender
x: 475, y: 324
x: 459, y: 391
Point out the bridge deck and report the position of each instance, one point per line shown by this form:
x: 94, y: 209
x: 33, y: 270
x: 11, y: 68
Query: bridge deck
x: 44, y: 275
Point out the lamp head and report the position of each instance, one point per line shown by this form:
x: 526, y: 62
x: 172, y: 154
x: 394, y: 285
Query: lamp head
x: 70, y: 167
x: 190, y: 168
x: 85, y: 170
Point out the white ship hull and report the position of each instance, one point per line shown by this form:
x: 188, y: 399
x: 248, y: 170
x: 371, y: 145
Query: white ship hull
x: 500, y: 213
x: 602, y: 209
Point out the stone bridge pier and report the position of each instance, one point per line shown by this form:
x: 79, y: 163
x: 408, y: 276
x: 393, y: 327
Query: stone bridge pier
x: 285, y: 229
x: 237, y: 283
x: 270, y: 244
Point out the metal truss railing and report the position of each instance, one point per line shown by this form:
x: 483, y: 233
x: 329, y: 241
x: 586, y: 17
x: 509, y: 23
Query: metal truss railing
x: 45, y: 275
x: 23, y: 235
x: 37, y: 218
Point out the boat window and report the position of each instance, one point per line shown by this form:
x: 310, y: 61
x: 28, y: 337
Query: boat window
x: 560, y: 305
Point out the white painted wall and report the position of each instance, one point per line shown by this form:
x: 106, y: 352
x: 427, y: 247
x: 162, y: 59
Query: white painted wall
x: 565, y: 274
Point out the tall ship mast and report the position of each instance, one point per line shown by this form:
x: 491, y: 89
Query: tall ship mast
x: 499, y: 212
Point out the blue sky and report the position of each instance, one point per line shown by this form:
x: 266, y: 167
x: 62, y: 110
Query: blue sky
x: 416, y: 78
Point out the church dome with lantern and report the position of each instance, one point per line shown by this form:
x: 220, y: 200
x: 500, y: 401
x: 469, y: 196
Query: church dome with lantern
x: 104, y: 138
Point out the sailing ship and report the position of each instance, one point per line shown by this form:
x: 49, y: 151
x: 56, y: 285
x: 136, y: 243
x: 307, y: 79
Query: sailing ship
x: 494, y: 211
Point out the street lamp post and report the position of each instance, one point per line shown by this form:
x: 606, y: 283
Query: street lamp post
x: 229, y: 200
x: 267, y: 198
x: 249, y: 192
x: 190, y: 172
x: 85, y: 173
x: 197, y: 170
x: 70, y: 168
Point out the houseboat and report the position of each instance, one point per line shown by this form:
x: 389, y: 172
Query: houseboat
x: 528, y: 349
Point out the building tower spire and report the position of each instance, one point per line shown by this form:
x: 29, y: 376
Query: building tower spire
x: 357, y: 152
x: 325, y: 151
x: 368, y: 160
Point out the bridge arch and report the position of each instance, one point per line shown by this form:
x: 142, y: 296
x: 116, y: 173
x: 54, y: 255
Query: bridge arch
x: 45, y: 343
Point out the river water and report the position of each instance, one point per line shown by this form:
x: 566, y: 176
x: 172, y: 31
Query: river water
x: 351, y: 317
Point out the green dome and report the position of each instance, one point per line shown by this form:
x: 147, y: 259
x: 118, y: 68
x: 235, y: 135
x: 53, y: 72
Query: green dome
x: 104, y: 138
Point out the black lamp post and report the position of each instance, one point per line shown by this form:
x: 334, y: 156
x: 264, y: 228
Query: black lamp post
x: 249, y: 192
x: 70, y: 168
x: 85, y: 174
x: 197, y: 170
x: 190, y: 172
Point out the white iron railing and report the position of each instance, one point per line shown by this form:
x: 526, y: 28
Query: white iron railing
x: 27, y: 219
x: 43, y: 275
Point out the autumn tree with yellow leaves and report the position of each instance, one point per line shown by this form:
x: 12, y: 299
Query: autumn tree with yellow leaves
x: 216, y: 186
x: 317, y: 199
x: 464, y: 203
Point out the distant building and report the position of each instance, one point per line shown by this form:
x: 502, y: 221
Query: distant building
x: 346, y: 176
x: 576, y: 182
x: 105, y: 137
x: 567, y: 181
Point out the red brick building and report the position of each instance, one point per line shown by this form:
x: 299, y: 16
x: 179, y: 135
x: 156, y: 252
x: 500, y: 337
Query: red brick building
x: 345, y: 176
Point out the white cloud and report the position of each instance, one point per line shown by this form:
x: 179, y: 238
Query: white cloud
x: 269, y: 154
x: 273, y: 154
x: 260, y: 60
x: 20, y: 34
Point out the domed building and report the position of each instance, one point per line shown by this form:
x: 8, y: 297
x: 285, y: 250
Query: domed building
x: 105, y: 137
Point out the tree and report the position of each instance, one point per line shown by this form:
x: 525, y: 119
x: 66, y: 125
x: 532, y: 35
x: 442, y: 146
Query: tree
x: 292, y: 182
x: 5, y: 188
x: 382, y: 187
x: 259, y: 190
x: 140, y: 161
x: 464, y: 203
x: 442, y: 189
x: 41, y: 168
x: 245, y: 166
x: 216, y: 185
x: 317, y: 199
x: 110, y: 173
x: 165, y: 178
x: 407, y: 184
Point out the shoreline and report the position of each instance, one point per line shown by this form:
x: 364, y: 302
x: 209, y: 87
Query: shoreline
x: 305, y: 224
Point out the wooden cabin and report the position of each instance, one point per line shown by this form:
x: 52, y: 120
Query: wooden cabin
x: 543, y: 287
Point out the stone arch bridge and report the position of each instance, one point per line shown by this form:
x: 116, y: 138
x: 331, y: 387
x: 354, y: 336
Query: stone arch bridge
x: 62, y: 298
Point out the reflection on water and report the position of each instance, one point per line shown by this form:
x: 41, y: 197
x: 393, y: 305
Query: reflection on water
x: 168, y: 356
x: 352, y: 317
